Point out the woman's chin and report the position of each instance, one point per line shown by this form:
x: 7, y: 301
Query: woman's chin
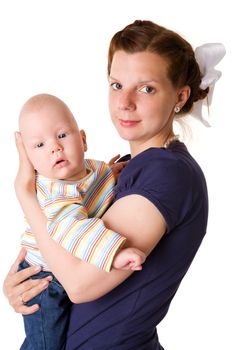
x: 127, y: 136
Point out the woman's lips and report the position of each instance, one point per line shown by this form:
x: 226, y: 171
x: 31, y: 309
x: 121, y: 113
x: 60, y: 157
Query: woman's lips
x: 128, y: 123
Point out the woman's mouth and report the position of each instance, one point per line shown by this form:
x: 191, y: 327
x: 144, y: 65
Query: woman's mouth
x: 128, y: 123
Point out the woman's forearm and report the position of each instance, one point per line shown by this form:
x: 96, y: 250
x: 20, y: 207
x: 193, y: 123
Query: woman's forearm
x: 82, y: 281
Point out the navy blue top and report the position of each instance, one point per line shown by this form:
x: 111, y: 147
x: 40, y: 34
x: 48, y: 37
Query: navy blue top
x: 126, y: 318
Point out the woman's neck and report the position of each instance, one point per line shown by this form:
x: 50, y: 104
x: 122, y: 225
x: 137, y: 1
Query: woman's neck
x: 160, y: 141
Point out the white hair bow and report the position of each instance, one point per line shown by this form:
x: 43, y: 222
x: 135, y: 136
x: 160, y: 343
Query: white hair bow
x: 207, y: 57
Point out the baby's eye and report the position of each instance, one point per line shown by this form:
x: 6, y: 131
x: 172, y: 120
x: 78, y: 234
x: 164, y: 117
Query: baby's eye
x: 62, y: 135
x: 116, y: 86
x: 147, y: 89
x: 39, y: 145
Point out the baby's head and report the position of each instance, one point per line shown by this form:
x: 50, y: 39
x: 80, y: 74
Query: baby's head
x: 52, y: 139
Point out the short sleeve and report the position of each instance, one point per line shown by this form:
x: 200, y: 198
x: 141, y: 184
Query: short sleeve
x: 164, y: 180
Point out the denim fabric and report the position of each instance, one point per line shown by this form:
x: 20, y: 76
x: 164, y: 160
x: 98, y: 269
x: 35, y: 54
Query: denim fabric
x: 46, y: 329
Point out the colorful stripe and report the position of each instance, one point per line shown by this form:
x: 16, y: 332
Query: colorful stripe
x: 73, y: 210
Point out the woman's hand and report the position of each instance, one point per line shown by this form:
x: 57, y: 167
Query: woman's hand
x: 25, y: 179
x: 19, y: 288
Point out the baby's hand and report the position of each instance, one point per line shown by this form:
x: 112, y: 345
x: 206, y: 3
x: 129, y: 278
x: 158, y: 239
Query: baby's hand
x: 129, y: 259
x: 117, y: 167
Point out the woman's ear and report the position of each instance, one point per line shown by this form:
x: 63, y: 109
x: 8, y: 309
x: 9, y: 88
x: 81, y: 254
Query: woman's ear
x: 183, y: 95
x: 84, y: 139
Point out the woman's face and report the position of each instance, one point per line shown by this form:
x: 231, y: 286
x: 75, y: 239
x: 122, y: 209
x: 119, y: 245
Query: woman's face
x: 141, y: 99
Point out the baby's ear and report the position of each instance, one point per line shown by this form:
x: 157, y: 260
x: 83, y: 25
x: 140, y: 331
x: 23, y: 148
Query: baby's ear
x: 84, y: 139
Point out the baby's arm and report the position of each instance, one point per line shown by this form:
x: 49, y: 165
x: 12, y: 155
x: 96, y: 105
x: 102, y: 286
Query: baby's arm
x: 129, y: 259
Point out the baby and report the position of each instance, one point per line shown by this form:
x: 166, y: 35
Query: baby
x: 74, y: 193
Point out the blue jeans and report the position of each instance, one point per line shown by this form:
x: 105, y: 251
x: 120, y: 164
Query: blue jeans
x: 46, y: 328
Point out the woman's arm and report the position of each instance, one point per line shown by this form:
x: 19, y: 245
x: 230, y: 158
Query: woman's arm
x: 133, y: 216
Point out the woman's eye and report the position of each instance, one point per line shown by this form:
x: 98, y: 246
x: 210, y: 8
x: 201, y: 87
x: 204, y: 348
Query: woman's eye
x: 39, y: 145
x: 116, y: 86
x: 147, y: 89
x: 62, y: 135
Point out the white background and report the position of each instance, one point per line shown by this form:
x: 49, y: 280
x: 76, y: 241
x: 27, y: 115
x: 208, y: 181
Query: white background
x: 60, y: 47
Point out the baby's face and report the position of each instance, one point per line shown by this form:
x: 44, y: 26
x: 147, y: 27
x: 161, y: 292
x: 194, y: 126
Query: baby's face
x: 53, y: 142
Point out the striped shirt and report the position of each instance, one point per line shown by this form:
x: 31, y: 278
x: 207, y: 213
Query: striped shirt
x: 73, y: 210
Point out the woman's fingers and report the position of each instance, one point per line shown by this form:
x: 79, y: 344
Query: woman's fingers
x: 20, y: 147
x: 19, y: 288
x: 14, y: 278
x: 27, y: 310
x: 24, y: 163
x: 25, y: 292
x: 25, y: 179
x: 19, y: 293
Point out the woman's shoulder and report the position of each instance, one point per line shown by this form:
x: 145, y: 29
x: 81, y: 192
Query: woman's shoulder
x: 163, y: 175
x: 166, y: 165
x: 169, y: 178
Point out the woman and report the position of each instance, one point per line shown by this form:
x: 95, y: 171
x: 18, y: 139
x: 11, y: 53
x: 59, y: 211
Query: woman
x: 161, y: 202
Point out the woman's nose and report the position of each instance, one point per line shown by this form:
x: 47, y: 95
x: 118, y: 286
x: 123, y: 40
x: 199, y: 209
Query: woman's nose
x: 127, y: 101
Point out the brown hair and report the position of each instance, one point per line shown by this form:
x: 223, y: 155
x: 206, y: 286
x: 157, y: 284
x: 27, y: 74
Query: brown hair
x: 147, y: 36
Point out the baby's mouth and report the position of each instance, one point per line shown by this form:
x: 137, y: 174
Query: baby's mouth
x: 61, y: 162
